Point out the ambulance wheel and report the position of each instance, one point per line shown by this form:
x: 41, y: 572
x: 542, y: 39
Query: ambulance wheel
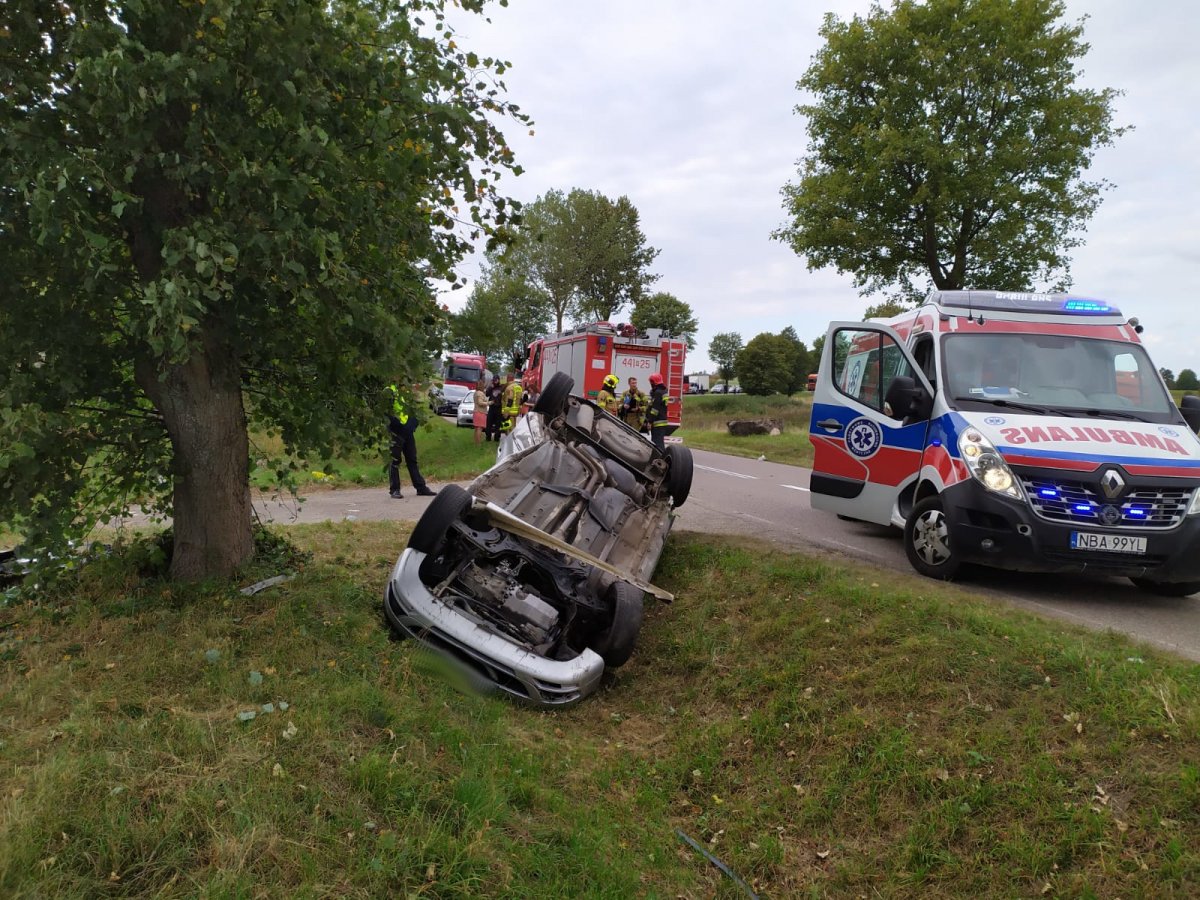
x: 552, y: 401
x: 429, y: 534
x: 679, y: 476
x: 927, y: 541
x: 1167, y: 588
x: 615, y: 644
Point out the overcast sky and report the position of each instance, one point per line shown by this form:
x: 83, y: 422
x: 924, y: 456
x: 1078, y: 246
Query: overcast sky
x: 687, y: 109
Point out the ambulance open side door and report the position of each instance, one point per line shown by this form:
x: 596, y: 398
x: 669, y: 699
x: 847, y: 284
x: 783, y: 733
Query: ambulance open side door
x: 870, y: 418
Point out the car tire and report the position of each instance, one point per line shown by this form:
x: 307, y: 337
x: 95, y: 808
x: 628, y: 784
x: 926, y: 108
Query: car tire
x: 552, y: 401
x: 927, y: 541
x: 615, y: 644
x: 679, y: 476
x: 444, y: 510
x: 1167, y: 588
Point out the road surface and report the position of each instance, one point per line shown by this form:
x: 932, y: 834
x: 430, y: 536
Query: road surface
x: 770, y: 501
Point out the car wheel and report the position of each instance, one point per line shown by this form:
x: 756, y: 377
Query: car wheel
x: 443, y: 511
x: 552, y: 401
x: 615, y: 644
x: 679, y: 476
x: 927, y: 541
x: 1167, y: 588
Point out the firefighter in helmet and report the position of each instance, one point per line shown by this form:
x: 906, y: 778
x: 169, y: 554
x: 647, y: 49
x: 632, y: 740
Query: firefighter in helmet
x: 606, y: 399
x: 656, y: 411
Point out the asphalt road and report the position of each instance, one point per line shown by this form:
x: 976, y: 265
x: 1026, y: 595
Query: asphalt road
x: 770, y: 501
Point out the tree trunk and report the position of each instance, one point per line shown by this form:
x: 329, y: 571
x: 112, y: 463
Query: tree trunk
x: 201, y: 404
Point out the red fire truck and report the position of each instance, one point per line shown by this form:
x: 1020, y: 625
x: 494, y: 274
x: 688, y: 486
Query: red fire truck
x: 589, y: 352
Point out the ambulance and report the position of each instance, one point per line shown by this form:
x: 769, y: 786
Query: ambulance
x: 1015, y: 430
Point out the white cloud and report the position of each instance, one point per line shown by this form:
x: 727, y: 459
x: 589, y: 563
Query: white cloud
x: 687, y: 108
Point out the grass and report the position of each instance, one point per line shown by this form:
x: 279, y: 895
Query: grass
x: 445, y: 451
x: 706, y: 416
x: 823, y: 731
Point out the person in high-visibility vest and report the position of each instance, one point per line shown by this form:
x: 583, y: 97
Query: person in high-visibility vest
x: 606, y: 397
x: 403, y: 428
x: 656, y: 412
x: 510, y: 405
x: 633, y: 406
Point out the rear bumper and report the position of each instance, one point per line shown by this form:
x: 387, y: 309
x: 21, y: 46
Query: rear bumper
x: 484, y: 655
x: 992, y: 530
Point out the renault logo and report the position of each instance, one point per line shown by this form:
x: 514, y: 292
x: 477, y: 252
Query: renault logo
x: 1112, y: 484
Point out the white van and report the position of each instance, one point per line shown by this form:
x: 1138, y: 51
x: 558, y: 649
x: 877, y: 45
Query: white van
x: 1023, y: 431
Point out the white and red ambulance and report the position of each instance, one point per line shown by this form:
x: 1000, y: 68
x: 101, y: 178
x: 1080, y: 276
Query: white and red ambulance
x: 1024, y: 431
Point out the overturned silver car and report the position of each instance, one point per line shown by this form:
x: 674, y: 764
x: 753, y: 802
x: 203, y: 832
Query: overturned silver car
x: 533, y: 578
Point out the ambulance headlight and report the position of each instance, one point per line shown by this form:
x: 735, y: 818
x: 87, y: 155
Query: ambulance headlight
x: 1195, y: 507
x: 988, y: 467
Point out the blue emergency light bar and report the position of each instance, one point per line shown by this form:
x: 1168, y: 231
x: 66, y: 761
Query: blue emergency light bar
x: 1088, y: 306
x: 1012, y: 301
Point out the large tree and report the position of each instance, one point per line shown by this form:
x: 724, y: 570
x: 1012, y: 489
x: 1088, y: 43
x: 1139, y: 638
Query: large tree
x: 501, y: 317
x: 723, y: 350
x: 216, y: 213
x: 585, y: 252
x: 947, y: 142
x: 801, y: 363
x: 614, y: 254
x: 766, y: 365
x: 540, y: 254
x: 884, y: 309
x: 668, y: 312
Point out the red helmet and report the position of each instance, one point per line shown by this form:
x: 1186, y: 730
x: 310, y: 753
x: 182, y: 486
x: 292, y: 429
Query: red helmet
x: 655, y: 378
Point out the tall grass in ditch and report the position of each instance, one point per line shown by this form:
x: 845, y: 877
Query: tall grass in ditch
x: 823, y: 731
x: 706, y: 417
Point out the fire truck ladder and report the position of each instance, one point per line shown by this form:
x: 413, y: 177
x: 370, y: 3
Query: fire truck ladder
x: 675, y: 363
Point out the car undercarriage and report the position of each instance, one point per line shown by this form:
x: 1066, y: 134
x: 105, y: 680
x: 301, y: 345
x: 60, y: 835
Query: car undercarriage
x: 544, y: 561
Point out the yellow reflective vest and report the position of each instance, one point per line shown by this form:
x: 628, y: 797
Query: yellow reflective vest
x: 399, y: 410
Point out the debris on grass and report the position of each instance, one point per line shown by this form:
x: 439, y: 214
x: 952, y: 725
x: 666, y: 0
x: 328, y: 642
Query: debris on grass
x: 720, y: 865
x: 266, y: 583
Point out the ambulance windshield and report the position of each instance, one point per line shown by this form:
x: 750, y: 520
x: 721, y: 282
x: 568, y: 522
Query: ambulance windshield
x: 1054, y: 374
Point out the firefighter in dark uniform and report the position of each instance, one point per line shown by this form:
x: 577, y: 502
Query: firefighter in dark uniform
x: 495, y: 396
x: 656, y: 412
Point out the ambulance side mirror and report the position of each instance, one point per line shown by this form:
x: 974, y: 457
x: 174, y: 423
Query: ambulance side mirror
x: 906, y: 399
x: 1190, y: 407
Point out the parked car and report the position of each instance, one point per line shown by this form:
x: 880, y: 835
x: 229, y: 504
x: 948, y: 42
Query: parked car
x: 532, y: 579
x: 719, y: 389
x: 444, y: 399
x: 466, y: 410
x: 736, y: 389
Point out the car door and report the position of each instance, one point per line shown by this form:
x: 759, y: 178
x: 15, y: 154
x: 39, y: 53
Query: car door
x: 863, y: 456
